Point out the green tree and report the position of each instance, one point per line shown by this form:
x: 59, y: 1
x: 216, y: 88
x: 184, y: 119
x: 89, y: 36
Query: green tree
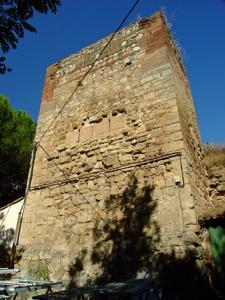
x: 17, y: 131
x: 14, y: 16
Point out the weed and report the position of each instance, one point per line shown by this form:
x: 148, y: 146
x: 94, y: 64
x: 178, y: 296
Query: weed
x: 214, y: 155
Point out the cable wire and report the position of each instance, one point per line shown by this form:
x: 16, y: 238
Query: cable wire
x: 89, y: 70
x: 74, y: 91
x: 109, y: 170
x: 69, y: 180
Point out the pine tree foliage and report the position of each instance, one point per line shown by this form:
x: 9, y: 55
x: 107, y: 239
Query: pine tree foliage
x: 17, y: 131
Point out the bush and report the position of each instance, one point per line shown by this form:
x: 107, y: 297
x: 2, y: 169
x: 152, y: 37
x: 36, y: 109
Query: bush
x: 214, y: 155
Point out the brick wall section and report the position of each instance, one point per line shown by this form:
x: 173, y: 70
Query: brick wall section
x: 50, y: 84
x: 123, y: 121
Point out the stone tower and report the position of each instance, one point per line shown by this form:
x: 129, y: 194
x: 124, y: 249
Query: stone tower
x: 123, y: 179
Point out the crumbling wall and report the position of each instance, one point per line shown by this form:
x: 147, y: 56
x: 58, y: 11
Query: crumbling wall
x: 217, y: 183
x: 214, y: 213
x: 193, y: 162
x: 116, y: 175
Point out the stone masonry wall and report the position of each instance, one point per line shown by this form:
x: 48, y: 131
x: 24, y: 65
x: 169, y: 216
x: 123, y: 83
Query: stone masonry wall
x: 213, y: 214
x: 116, y: 187
x: 217, y: 185
x: 194, y: 153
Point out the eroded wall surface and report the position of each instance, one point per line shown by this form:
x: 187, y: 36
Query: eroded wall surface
x: 115, y: 188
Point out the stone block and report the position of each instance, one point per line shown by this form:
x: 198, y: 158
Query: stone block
x: 95, y: 119
x: 189, y: 217
x: 117, y: 122
x: 71, y: 211
x: 101, y: 128
x: 118, y: 215
x: 86, y: 134
x: 192, y: 238
x: 84, y: 216
x: 72, y: 137
x: 61, y: 147
x: 110, y: 161
x: 64, y: 159
x: 48, y: 202
x: 101, y: 214
x: 114, y: 190
x: 173, y: 146
x: 125, y: 158
x: 176, y: 136
x: 169, y: 118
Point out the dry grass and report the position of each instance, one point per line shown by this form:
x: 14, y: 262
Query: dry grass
x: 214, y: 155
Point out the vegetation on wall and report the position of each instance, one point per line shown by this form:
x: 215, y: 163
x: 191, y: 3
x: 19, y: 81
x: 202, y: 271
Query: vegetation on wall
x: 215, y: 155
x: 16, y: 137
x: 37, y: 270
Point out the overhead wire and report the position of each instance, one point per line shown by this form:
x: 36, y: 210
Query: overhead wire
x: 71, y: 181
x: 38, y: 143
x: 122, y: 167
x: 89, y: 70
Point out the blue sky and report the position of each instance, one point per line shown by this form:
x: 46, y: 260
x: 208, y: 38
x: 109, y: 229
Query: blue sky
x: 198, y: 26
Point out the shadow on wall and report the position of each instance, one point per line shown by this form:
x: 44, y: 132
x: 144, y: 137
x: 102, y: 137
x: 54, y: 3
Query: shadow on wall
x: 6, y: 240
x: 184, y: 278
x: 129, y: 245
x: 124, y: 245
